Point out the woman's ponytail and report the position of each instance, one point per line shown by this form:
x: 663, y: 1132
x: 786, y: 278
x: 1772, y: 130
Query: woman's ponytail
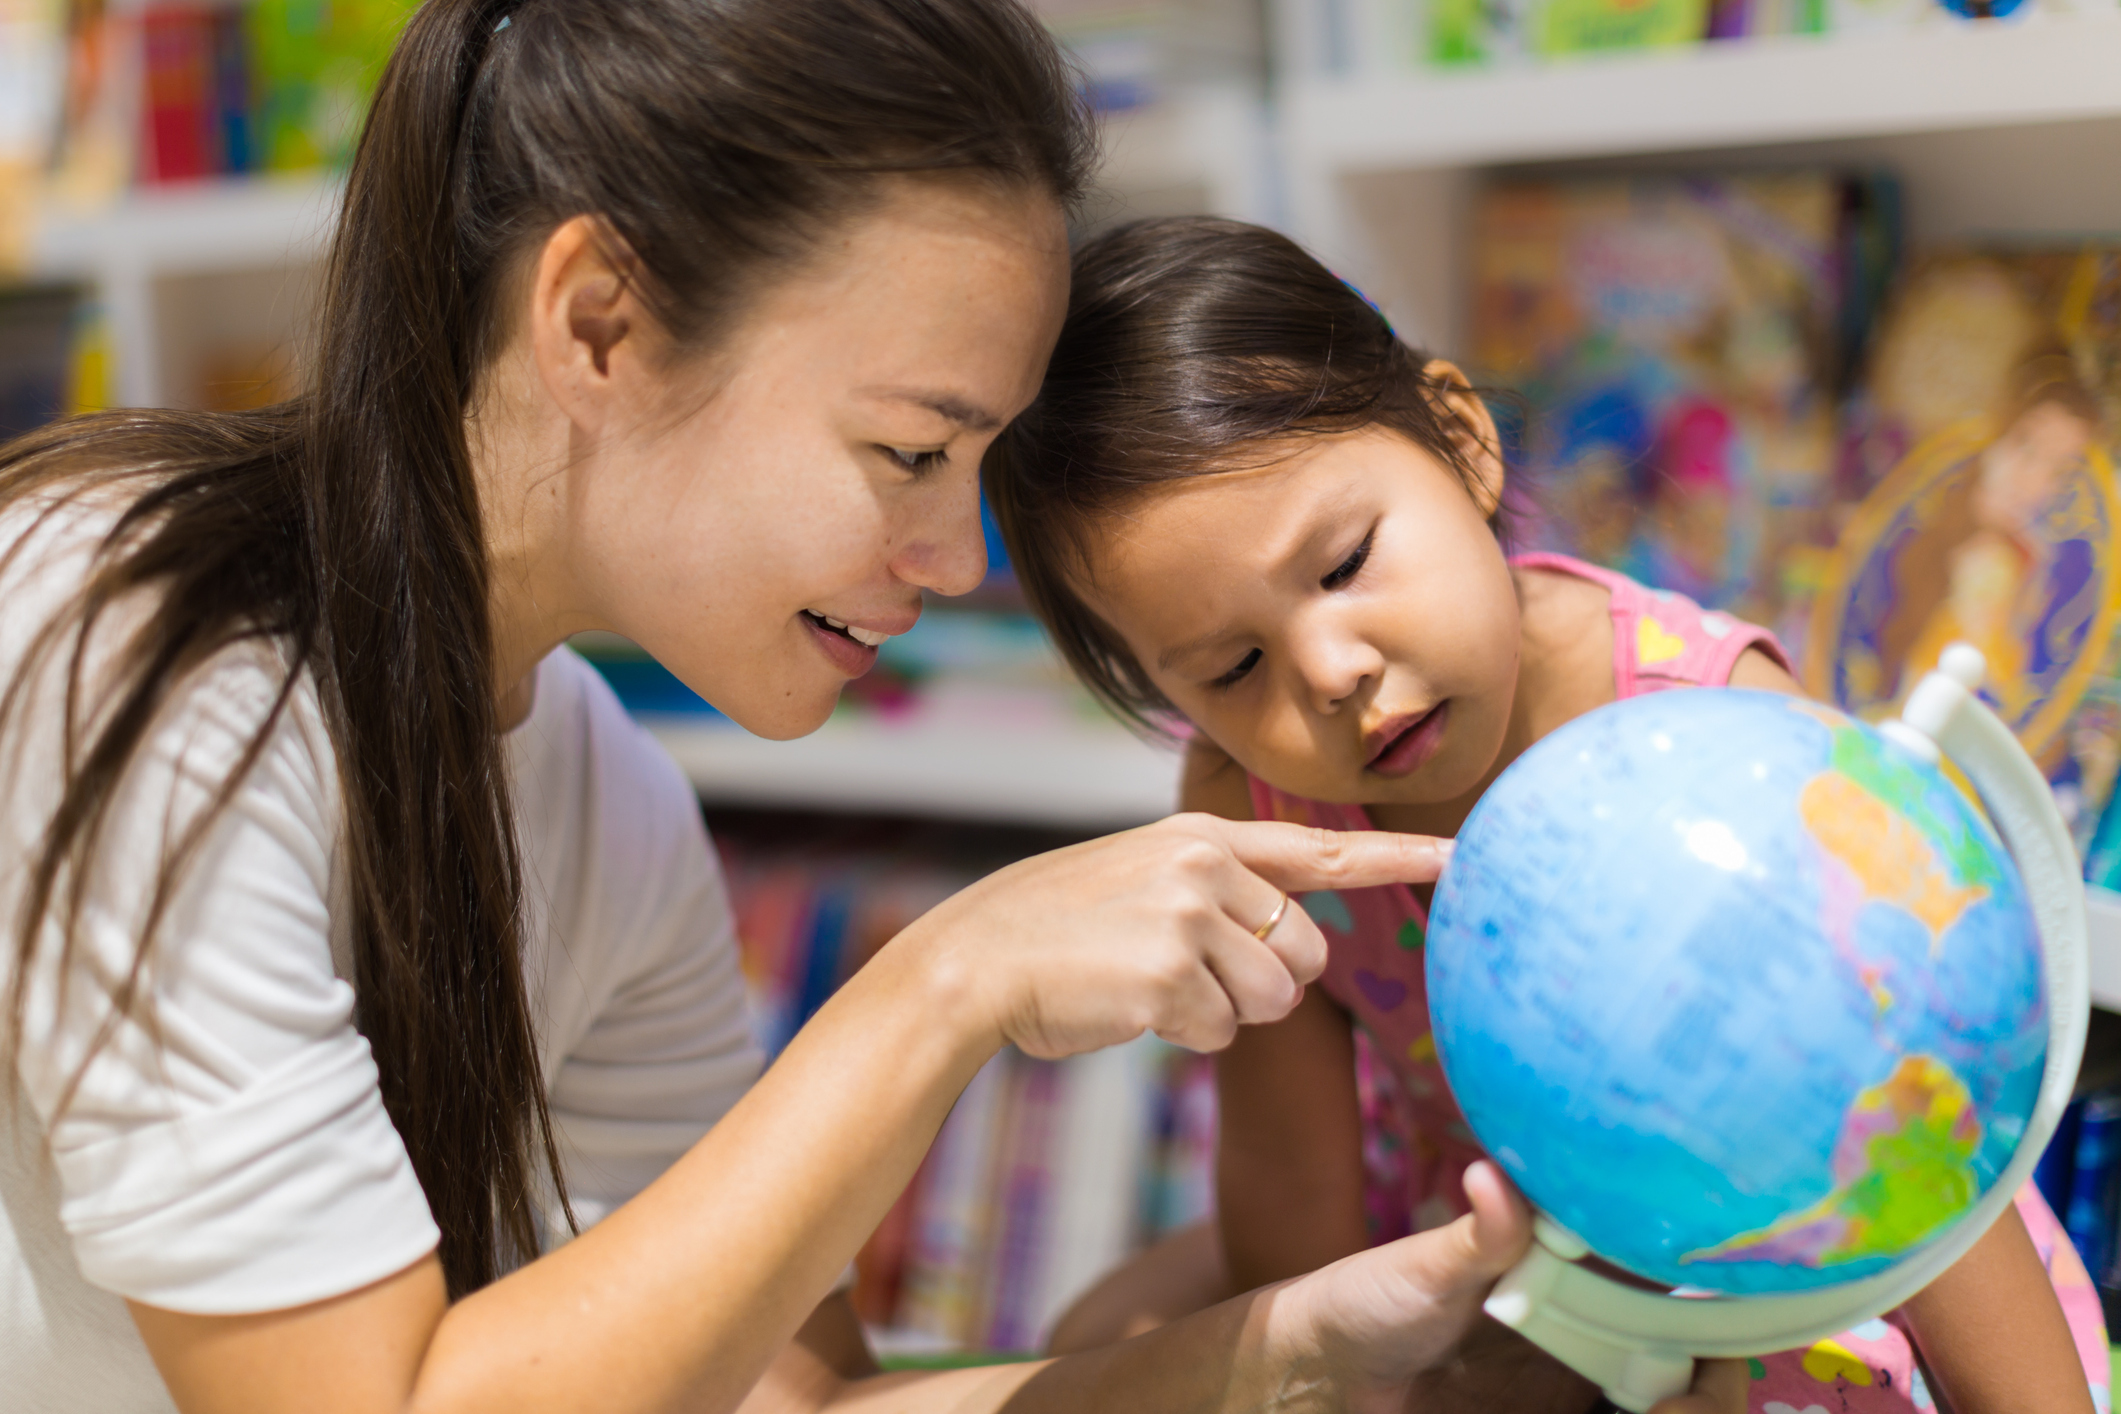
x: 400, y: 586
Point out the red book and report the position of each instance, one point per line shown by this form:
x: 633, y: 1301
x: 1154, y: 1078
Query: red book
x: 178, y: 142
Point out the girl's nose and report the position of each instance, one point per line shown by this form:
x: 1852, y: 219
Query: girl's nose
x: 1335, y: 668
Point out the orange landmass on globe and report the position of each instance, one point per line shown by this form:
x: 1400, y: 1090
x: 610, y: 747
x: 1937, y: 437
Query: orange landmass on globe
x: 1903, y: 1170
x: 1887, y: 854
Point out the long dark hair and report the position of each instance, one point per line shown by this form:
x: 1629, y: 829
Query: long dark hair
x: 1193, y: 346
x: 717, y: 140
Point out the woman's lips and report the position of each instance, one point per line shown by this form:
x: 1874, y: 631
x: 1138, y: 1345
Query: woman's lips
x: 851, y: 658
x: 1406, y: 747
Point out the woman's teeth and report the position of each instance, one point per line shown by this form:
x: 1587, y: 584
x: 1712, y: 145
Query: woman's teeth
x: 860, y: 635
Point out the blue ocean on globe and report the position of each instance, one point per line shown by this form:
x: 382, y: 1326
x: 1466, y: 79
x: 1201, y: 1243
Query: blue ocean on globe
x: 1738, y: 990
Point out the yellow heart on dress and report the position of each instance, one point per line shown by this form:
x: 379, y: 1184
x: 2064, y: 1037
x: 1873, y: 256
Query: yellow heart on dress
x: 1654, y: 643
x: 1423, y: 1050
x: 1830, y: 1359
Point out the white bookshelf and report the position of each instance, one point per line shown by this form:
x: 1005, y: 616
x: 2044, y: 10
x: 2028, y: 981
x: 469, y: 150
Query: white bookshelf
x: 1090, y: 777
x: 155, y: 258
x: 1997, y: 128
x: 235, y: 258
x: 1772, y: 90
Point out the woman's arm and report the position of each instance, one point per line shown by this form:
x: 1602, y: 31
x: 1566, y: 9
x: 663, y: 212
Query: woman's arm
x: 681, y: 1298
x: 1992, y: 1334
x: 1357, y: 1336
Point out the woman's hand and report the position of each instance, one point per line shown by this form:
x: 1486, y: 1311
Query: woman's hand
x: 1385, y: 1325
x: 1151, y: 930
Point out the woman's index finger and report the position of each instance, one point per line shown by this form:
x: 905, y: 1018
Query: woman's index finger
x: 1300, y: 858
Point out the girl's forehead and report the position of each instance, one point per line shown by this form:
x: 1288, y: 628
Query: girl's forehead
x: 1276, y: 490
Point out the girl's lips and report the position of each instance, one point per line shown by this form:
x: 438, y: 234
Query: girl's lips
x: 1405, y: 753
x: 851, y: 658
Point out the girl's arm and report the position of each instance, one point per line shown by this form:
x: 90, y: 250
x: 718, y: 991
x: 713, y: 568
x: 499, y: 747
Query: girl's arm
x: 1992, y: 1334
x: 681, y: 1298
x: 1288, y: 1169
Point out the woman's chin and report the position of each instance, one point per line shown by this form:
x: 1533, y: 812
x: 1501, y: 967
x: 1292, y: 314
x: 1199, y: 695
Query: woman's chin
x: 798, y: 711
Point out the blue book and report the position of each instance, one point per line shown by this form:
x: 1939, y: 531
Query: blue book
x: 2059, y: 1162
x: 2089, y: 1218
x: 828, y: 940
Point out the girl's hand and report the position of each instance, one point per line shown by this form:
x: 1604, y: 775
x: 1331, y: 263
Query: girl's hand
x: 1385, y: 1322
x: 1151, y: 930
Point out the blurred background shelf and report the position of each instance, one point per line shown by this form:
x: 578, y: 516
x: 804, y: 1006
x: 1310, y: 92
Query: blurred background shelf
x: 1778, y: 89
x: 2102, y: 909
x: 222, y: 224
x: 1091, y: 779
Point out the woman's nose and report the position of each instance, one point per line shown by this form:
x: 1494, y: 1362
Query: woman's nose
x: 947, y: 550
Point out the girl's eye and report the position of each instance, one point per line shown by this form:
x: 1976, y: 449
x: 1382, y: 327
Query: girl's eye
x: 1229, y: 679
x: 1347, y: 569
x: 915, y: 461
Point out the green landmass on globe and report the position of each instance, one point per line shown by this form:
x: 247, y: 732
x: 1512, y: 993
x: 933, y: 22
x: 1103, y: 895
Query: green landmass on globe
x: 1903, y: 1169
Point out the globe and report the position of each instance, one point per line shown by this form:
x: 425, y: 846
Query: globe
x: 1738, y: 990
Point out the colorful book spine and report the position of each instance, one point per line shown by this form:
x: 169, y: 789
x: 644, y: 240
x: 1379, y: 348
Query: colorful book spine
x: 2089, y: 1216
x: 2058, y: 1163
x: 177, y: 144
x: 234, y: 147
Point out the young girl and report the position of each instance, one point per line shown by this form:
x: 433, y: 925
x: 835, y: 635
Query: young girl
x: 1241, y: 499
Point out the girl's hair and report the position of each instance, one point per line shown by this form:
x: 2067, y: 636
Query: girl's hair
x: 717, y: 141
x: 1194, y: 346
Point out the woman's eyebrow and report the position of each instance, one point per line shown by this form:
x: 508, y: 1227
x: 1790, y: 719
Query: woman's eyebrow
x: 966, y: 414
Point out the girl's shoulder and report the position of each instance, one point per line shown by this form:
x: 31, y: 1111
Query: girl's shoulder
x: 1660, y: 638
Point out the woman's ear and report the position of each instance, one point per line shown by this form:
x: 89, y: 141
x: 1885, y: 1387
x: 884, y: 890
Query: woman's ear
x: 1472, y: 428
x: 583, y: 314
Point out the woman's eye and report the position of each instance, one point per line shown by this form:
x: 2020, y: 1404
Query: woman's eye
x: 916, y: 461
x: 1347, y: 569
x: 1229, y: 679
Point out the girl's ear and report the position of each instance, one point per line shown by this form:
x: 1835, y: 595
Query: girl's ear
x: 1472, y: 428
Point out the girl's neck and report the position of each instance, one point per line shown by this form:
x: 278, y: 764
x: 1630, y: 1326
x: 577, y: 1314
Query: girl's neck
x: 1564, y: 669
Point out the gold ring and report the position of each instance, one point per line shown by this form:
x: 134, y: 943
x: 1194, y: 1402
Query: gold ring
x: 1273, y: 918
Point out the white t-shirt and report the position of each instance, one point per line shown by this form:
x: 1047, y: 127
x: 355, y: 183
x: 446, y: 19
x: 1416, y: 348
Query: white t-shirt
x: 241, y: 1159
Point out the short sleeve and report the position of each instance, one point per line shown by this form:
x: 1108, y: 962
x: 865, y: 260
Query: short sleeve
x: 640, y: 994
x: 226, y: 1149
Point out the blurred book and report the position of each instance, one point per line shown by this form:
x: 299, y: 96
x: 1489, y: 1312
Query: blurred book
x: 1045, y: 1174
x: 315, y: 63
x: 1679, y: 345
x: 32, y: 92
x: 176, y: 92
x: 38, y: 332
x: 1982, y: 507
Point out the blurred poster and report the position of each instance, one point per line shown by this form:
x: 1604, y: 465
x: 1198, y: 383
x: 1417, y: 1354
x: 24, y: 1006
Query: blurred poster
x: 1679, y: 344
x: 1996, y: 524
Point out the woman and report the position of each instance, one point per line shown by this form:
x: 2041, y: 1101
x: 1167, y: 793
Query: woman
x: 356, y: 934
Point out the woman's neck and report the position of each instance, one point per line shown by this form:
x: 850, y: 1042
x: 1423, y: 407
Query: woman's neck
x: 524, y: 460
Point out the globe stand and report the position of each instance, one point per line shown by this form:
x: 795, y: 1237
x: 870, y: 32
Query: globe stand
x: 1640, y: 1346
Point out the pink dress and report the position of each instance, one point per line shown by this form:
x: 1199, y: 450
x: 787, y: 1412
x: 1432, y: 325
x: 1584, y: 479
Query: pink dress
x: 1417, y: 1145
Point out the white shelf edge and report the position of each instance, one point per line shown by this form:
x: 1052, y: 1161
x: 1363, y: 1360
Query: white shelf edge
x: 1091, y: 778
x: 2102, y: 918
x: 1942, y: 77
x: 224, y: 224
